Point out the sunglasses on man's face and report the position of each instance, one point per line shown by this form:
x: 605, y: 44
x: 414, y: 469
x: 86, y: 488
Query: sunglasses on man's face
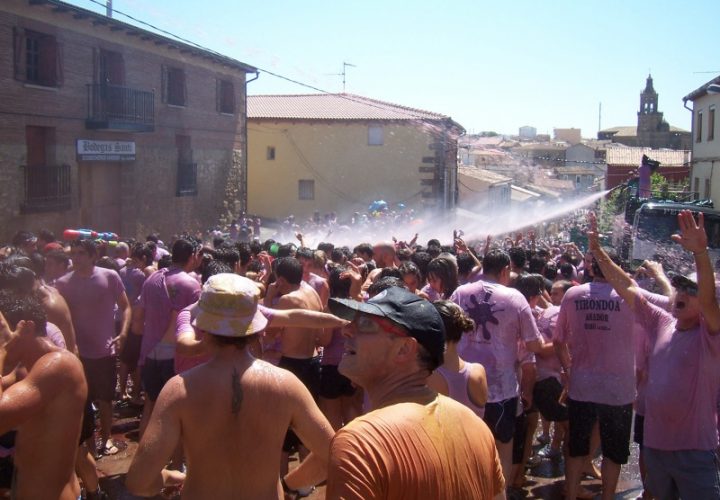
x: 370, y: 324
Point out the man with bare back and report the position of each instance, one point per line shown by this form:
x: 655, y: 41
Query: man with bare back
x: 298, y: 345
x: 46, y: 407
x: 232, y: 412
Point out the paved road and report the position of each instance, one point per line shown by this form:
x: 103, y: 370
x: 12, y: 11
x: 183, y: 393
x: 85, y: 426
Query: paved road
x: 544, y: 481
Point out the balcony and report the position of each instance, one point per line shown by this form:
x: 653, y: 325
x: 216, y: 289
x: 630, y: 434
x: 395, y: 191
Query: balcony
x: 46, y: 188
x: 112, y: 107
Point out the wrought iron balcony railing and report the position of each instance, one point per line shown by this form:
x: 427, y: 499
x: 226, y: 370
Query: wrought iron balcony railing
x: 114, y: 107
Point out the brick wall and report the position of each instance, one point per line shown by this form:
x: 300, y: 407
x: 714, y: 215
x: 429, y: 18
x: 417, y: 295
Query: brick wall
x: 147, y: 188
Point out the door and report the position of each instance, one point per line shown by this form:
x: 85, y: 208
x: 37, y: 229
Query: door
x: 100, y: 205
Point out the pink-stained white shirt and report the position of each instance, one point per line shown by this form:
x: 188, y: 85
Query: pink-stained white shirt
x: 55, y: 336
x: 546, y: 320
x: 163, y: 292
x: 598, y: 327
x: 682, y: 385
x: 332, y: 353
x: 92, y: 302
x: 502, y: 317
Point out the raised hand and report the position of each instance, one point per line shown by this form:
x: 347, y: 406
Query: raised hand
x: 692, y: 235
x: 592, y: 234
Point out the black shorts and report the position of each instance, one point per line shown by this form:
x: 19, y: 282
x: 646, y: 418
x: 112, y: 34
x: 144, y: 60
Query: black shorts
x: 333, y: 384
x: 308, y: 371
x: 500, y: 417
x: 101, y: 377
x: 131, y: 351
x: 615, y: 425
x: 155, y: 374
x: 546, y: 397
x: 639, y: 434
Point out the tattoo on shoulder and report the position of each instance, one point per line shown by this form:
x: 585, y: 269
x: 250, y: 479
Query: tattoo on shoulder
x: 237, y: 394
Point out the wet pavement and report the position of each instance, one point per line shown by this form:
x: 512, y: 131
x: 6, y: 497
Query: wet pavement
x: 544, y: 481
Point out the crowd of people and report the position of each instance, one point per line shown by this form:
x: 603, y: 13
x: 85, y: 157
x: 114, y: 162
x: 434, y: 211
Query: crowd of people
x: 392, y: 369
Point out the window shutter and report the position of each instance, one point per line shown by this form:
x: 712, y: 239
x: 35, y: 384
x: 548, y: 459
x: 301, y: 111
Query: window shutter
x: 218, y: 95
x: 19, y: 53
x: 184, y: 88
x: 95, y: 65
x: 120, y: 69
x: 163, y: 83
x: 48, y: 60
x: 231, y: 86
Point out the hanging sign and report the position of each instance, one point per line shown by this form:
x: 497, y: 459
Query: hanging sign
x: 91, y: 150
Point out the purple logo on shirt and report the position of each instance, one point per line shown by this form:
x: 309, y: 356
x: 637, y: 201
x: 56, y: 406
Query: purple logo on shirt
x: 483, y: 313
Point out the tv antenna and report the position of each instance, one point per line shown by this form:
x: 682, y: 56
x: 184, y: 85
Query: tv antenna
x: 344, y: 72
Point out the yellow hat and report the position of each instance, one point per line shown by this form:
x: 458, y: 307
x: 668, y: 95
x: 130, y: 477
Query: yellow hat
x: 228, y: 307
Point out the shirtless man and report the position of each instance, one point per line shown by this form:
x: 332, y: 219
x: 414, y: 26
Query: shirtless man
x: 245, y: 406
x: 384, y: 255
x: 297, y: 344
x: 56, y: 309
x: 45, y: 407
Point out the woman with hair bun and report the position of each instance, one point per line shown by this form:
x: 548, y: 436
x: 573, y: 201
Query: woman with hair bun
x: 462, y: 381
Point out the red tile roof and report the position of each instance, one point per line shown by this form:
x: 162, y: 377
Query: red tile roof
x: 332, y: 107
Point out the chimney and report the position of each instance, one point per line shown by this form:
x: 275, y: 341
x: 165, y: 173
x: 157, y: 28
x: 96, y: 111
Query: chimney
x: 109, y: 8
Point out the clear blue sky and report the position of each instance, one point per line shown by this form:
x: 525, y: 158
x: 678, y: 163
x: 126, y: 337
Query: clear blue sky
x: 489, y: 65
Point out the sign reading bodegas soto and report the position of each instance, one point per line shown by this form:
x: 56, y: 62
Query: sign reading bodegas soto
x: 90, y: 150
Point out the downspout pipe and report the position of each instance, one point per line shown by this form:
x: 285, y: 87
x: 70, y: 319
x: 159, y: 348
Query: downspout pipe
x: 244, y: 176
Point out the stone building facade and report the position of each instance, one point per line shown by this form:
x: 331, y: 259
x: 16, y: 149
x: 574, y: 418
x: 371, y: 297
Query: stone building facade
x: 107, y: 126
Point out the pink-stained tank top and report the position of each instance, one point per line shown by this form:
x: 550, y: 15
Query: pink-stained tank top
x: 458, y: 387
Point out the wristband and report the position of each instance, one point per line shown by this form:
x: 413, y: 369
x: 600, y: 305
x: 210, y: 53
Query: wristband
x: 700, y: 252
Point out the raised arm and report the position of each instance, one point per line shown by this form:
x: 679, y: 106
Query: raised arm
x: 655, y: 270
x: 304, y: 318
x: 692, y: 237
x: 613, y: 274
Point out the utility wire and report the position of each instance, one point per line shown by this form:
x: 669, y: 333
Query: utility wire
x: 398, y: 109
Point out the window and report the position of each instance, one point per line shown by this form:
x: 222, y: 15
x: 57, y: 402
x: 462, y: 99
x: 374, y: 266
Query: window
x: 39, y: 142
x: 186, y: 168
x: 306, y: 189
x: 225, y: 97
x: 47, y: 185
x: 711, y: 124
x: 37, y: 58
x: 109, y: 67
x: 698, y: 127
x: 270, y: 155
x: 696, y: 185
x: 174, y: 86
x: 375, y: 135
x: 707, y: 189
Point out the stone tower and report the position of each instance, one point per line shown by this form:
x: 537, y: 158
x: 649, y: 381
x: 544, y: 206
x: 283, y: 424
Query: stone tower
x: 652, y: 130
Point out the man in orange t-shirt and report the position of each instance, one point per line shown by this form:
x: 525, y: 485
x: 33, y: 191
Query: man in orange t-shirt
x: 415, y: 443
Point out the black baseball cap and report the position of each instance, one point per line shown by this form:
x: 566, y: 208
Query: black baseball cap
x: 417, y: 315
x: 681, y: 282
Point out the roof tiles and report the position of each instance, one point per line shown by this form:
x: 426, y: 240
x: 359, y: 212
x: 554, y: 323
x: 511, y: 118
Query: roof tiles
x: 632, y: 156
x: 332, y: 107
